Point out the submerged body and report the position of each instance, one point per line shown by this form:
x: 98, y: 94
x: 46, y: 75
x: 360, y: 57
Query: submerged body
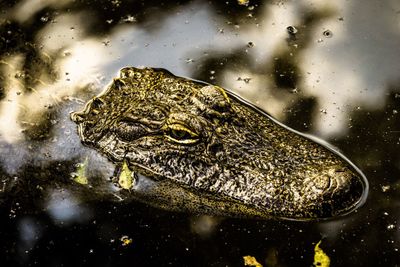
x: 195, y: 146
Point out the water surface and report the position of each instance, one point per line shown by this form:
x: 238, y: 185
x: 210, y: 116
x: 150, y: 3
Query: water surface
x: 327, y: 69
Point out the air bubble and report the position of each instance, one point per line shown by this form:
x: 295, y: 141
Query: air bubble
x: 291, y: 30
x: 250, y: 44
x: 327, y: 33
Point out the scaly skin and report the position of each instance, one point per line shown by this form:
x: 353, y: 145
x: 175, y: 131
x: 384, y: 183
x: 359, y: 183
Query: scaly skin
x: 198, y: 147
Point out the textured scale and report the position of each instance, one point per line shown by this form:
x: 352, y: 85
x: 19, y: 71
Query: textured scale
x: 198, y: 147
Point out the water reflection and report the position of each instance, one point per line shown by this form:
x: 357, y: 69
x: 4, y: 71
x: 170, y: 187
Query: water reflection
x: 30, y: 231
x: 64, y: 208
x: 55, y: 55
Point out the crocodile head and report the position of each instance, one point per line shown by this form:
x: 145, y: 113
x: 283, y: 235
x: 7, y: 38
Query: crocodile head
x: 206, y: 149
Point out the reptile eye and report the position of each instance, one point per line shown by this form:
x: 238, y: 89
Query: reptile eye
x: 180, y: 134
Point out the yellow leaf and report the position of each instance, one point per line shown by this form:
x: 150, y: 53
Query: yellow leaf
x: 126, y: 240
x: 80, y: 174
x: 251, y: 261
x: 320, y: 257
x: 243, y: 2
x: 125, y: 179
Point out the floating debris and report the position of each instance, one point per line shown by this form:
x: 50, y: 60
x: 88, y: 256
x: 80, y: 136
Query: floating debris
x: 251, y: 261
x: 250, y: 44
x: 391, y: 226
x: 245, y: 80
x: 320, y: 257
x: 385, y: 188
x: 125, y: 179
x: 291, y: 30
x: 80, y: 174
x: 243, y: 2
x: 128, y: 19
x: 126, y: 240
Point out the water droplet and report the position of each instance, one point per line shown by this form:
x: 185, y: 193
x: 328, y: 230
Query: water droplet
x: 246, y: 80
x: 116, y: 2
x: 391, y: 226
x: 250, y: 44
x: 323, y: 111
x: 291, y: 30
x: 395, y: 111
x: 327, y: 33
x: 128, y: 19
x: 44, y: 19
x: 189, y: 60
x: 385, y: 188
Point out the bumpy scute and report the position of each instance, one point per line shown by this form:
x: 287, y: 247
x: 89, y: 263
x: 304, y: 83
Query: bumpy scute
x: 198, y: 147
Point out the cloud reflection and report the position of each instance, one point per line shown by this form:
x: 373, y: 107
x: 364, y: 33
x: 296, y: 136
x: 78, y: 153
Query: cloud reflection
x: 64, y: 208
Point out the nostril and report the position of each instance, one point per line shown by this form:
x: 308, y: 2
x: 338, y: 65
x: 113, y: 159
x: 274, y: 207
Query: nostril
x: 345, y: 192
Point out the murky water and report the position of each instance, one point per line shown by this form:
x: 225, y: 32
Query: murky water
x: 329, y: 69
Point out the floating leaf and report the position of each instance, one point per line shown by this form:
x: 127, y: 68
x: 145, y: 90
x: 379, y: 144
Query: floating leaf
x: 243, y: 2
x: 80, y: 174
x: 251, y: 261
x: 125, y: 179
x: 320, y: 257
x: 126, y: 240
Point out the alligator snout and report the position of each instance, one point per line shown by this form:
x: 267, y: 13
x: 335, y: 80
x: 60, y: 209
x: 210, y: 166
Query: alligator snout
x: 336, y: 191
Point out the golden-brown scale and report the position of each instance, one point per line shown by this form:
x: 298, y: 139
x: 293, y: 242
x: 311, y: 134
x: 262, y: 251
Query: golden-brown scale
x: 198, y: 147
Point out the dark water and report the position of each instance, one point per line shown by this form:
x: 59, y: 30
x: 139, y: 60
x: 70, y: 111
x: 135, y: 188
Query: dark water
x: 335, y: 73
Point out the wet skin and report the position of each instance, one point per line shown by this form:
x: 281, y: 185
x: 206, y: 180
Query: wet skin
x: 198, y: 147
